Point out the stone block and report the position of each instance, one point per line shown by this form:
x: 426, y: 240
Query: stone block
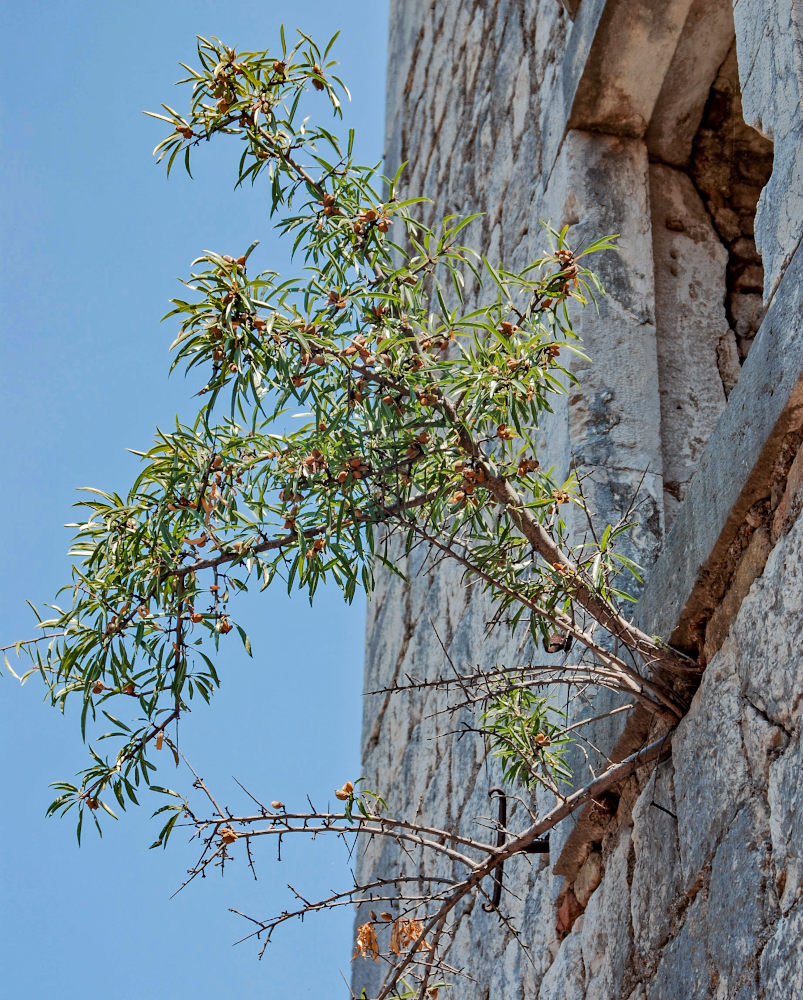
x: 588, y: 878
x: 565, y: 978
x: 785, y: 797
x: 732, y: 473
x: 746, y: 312
x: 568, y: 912
x: 707, y: 35
x: 763, y: 742
x: 728, y: 362
x: 740, y: 907
x: 711, y: 775
x: 631, y: 53
x: 781, y: 973
x: 768, y: 42
x: 684, y: 970
x: 607, y: 933
x: 768, y: 39
x: 655, y: 881
x: 690, y: 263
x: 766, y: 635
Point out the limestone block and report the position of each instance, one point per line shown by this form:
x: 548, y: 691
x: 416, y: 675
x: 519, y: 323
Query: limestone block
x: 781, y: 973
x: 767, y: 634
x: 732, y: 473
x: 629, y: 58
x: 614, y: 416
x: 537, y: 927
x: 655, y: 882
x: 785, y: 796
x: 500, y: 167
x: 711, y: 775
x: 506, y: 973
x: 568, y: 912
x: 565, y: 979
x: 690, y: 263
x: 769, y: 41
x: 588, y: 878
x: 508, y: 44
x: 607, y: 933
x: 763, y: 742
x: 475, y: 46
x: 404, y: 27
x: 685, y: 969
x: 740, y: 907
x: 728, y: 362
x: 746, y: 311
x: 768, y: 44
x: 600, y: 185
x: 707, y: 36
x: 453, y: 24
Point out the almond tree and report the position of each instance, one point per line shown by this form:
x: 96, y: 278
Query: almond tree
x: 423, y: 371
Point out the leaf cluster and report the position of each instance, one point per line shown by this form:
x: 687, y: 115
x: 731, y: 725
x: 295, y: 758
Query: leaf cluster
x: 389, y: 396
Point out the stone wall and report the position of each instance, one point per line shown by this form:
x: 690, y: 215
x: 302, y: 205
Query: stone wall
x: 611, y: 120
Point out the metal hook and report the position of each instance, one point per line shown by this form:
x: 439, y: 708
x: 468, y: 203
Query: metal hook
x: 496, y: 898
x: 539, y: 846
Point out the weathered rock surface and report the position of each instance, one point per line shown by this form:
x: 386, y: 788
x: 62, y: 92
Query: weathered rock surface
x: 694, y: 890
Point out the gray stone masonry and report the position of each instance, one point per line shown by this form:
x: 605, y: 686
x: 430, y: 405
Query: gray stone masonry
x: 615, y: 116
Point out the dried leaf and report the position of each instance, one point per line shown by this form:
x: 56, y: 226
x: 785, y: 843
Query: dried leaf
x: 367, y: 944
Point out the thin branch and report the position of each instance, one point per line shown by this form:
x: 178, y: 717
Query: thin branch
x: 519, y: 844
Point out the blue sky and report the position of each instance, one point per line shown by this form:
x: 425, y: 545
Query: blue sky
x: 93, y: 239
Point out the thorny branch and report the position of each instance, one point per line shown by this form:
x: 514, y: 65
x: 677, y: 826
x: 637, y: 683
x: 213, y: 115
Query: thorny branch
x: 414, y: 404
x: 427, y: 911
